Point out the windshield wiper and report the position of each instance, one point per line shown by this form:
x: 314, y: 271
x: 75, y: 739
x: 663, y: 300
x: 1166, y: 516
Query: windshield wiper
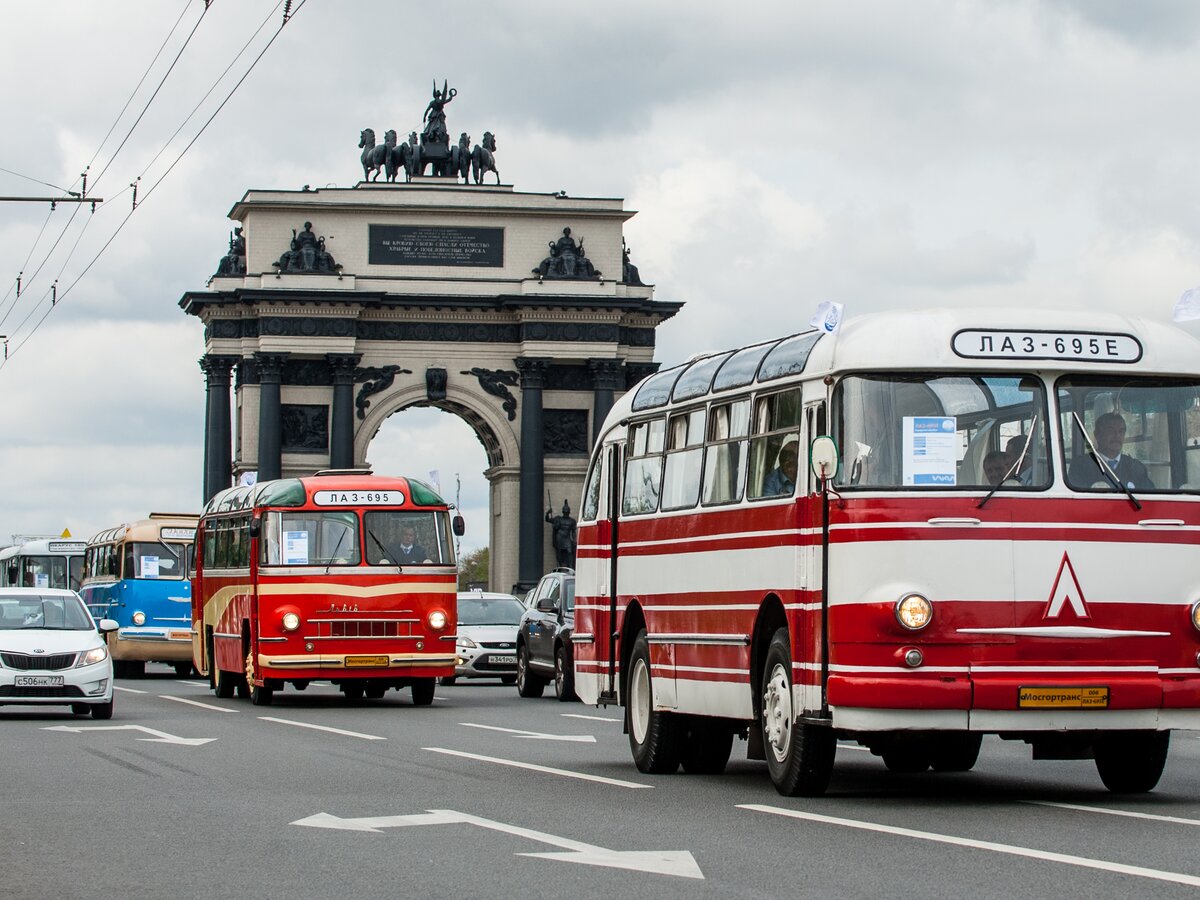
x: 1103, y: 466
x: 383, y: 551
x: 336, y: 548
x: 1015, y: 467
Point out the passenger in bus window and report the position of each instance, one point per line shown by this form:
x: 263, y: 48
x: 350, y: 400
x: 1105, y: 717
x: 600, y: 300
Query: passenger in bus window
x: 1109, y: 440
x: 782, y: 479
x: 995, y: 465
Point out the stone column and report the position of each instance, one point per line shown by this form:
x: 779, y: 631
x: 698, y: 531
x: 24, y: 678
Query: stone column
x: 341, y: 419
x: 532, y: 520
x: 217, y: 449
x: 270, y: 427
x: 607, y: 377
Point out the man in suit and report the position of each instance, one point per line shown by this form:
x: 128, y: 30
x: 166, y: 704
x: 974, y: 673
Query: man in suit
x: 1110, y: 436
x: 408, y: 551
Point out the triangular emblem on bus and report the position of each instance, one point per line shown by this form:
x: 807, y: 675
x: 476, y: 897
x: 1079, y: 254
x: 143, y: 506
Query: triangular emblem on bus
x: 1066, y: 591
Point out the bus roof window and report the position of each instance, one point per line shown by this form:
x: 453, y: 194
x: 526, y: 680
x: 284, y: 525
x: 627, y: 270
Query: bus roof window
x: 656, y: 390
x: 285, y: 492
x: 740, y: 369
x: 788, y: 357
x: 697, y: 380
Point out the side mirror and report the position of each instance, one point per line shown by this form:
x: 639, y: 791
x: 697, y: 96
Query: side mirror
x: 255, y: 527
x: 823, y: 457
x: 460, y: 526
x: 546, y: 604
x: 104, y: 626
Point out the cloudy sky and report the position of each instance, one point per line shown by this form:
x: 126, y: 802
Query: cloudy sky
x: 885, y: 155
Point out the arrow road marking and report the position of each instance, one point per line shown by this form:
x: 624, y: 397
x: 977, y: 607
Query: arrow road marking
x: 535, y: 768
x: 1029, y: 852
x: 160, y: 737
x: 535, y: 735
x: 679, y: 863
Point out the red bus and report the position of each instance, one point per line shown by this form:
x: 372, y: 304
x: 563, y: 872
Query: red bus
x: 924, y: 529
x: 342, y: 577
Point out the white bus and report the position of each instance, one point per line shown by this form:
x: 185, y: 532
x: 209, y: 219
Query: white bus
x: 47, y: 562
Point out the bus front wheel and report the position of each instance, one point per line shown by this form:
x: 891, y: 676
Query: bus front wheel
x: 1131, y: 762
x: 259, y: 696
x: 655, y: 737
x: 223, y: 682
x: 799, y: 755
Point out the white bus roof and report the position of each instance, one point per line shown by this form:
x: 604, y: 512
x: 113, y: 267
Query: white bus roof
x: 957, y: 339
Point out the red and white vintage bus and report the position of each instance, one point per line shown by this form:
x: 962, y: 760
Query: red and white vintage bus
x: 1006, y: 543
x: 339, y: 577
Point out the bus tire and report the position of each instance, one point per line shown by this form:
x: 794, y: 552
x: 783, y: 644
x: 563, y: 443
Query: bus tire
x: 564, y: 676
x: 655, y: 737
x: 799, y: 755
x: 423, y: 690
x: 1131, y: 762
x: 259, y: 696
x: 955, y: 752
x: 183, y: 669
x: 223, y: 682
x: 707, y: 749
x: 375, y: 691
x: 528, y: 684
x: 353, y: 692
x: 906, y: 760
x: 448, y: 679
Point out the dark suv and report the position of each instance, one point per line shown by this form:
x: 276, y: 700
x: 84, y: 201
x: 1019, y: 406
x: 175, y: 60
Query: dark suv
x: 544, y: 638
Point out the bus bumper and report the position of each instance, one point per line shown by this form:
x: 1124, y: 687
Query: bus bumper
x: 360, y: 665
x: 152, y: 644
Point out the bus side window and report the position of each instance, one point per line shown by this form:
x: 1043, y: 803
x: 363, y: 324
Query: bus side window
x: 725, y: 455
x: 681, y: 480
x: 591, y: 493
x: 774, y: 444
x: 643, y: 469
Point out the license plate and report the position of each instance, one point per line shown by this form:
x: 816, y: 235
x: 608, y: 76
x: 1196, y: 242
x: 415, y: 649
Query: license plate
x: 502, y: 660
x: 365, y: 661
x: 38, y: 680
x: 1062, y: 697
x: 179, y: 635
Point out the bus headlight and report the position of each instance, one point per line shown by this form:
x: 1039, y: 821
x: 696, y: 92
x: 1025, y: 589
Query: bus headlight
x: 139, y: 618
x: 291, y: 621
x: 437, y: 620
x: 1196, y: 615
x: 914, y: 612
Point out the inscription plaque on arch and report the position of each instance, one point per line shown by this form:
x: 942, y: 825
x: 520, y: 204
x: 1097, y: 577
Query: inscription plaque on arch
x: 435, y: 245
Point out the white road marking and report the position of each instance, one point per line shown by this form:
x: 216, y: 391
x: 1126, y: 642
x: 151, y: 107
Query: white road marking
x: 160, y: 737
x: 535, y: 735
x: 679, y: 863
x: 1029, y: 852
x: 196, y: 703
x: 189, y: 681
x: 535, y: 768
x: 1174, y: 820
x: 357, y: 734
x: 589, y: 718
x: 129, y: 690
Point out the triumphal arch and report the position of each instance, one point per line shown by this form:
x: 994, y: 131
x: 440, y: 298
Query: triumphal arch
x: 335, y: 308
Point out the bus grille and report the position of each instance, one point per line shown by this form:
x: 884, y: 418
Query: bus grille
x: 362, y: 628
x: 25, y: 662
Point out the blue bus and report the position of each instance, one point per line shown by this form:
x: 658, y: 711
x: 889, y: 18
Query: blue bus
x: 138, y: 575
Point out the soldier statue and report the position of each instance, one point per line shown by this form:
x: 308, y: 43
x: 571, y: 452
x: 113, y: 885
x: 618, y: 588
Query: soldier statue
x: 564, y: 535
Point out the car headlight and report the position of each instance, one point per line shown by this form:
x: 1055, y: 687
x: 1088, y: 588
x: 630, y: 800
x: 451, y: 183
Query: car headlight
x: 139, y: 618
x: 466, y: 643
x: 437, y: 620
x: 91, y: 657
x: 914, y: 612
x: 291, y: 621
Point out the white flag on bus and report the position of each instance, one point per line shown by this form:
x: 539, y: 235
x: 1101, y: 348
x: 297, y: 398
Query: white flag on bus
x: 1187, y: 307
x: 828, y: 317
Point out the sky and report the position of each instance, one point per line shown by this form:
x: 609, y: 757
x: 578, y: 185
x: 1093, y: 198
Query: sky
x: 936, y: 153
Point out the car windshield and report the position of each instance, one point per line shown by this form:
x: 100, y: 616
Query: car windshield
x: 500, y: 611
x: 58, y: 612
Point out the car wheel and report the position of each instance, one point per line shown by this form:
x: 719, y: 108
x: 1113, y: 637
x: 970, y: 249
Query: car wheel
x: 223, y: 682
x: 183, y: 669
x: 102, y: 710
x: 564, y: 676
x: 799, y: 755
x: 1131, y: 762
x: 655, y: 737
x: 259, y: 696
x: 81, y: 709
x: 448, y: 679
x: 707, y: 749
x: 423, y: 690
x: 528, y: 684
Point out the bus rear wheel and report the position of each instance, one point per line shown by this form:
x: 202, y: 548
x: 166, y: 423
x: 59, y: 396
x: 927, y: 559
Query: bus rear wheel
x: 799, y: 755
x: 1131, y: 762
x: 223, y: 682
x: 655, y: 737
x: 955, y: 752
x: 423, y: 690
x: 707, y: 749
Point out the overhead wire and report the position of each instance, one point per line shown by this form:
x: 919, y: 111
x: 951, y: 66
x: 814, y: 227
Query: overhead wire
x: 289, y: 14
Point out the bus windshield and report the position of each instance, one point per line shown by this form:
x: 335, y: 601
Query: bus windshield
x: 310, y: 538
x: 152, y: 559
x: 942, y: 431
x: 398, y: 538
x: 1146, y: 431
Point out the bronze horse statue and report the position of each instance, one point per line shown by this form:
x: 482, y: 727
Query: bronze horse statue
x: 373, y: 157
x: 483, y: 160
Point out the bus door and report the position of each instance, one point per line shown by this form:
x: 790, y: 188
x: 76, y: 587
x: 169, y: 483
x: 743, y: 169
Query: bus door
x: 606, y: 641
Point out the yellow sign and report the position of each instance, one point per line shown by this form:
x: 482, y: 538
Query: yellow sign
x: 66, y: 533
x: 1062, y: 697
x: 366, y: 661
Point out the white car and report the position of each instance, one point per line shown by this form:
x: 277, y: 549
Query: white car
x: 487, y: 636
x: 51, y: 652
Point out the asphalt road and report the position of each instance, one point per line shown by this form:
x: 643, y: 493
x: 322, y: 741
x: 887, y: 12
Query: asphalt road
x: 486, y: 795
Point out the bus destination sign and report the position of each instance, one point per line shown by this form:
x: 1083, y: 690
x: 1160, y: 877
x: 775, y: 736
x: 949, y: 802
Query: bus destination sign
x: 358, y: 498
x: 67, y: 546
x: 1075, y: 346
x: 178, y: 534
